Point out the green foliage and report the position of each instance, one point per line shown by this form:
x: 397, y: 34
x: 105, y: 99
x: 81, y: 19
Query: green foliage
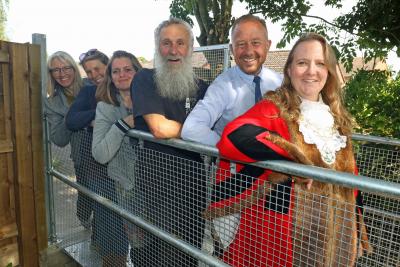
x: 376, y: 24
x: 3, y: 18
x: 213, y: 17
x: 373, y: 98
x: 373, y: 25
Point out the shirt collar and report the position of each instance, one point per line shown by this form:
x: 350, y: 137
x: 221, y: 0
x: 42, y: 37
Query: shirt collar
x: 246, y: 77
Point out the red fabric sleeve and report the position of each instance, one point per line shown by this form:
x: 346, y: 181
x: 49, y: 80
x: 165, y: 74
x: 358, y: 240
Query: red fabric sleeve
x: 264, y: 114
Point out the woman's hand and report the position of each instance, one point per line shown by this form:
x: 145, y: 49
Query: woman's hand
x: 307, y: 181
x: 129, y: 120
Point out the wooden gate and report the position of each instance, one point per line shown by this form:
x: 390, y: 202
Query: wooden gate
x: 22, y: 210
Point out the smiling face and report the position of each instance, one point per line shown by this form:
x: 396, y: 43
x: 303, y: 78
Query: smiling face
x: 174, y: 44
x: 95, y: 70
x: 308, y: 71
x: 62, y: 72
x: 250, y: 46
x: 122, y: 73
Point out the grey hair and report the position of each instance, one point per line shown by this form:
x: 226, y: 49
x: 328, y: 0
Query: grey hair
x: 169, y: 22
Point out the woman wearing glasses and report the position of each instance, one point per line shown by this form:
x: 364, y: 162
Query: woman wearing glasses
x: 63, y: 85
x: 110, y: 144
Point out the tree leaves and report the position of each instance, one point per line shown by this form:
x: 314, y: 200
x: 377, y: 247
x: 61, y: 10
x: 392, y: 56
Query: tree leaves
x: 373, y: 98
x: 372, y: 27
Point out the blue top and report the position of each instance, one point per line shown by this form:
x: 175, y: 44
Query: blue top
x: 230, y: 95
x: 83, y: 110
x: 146, y: 100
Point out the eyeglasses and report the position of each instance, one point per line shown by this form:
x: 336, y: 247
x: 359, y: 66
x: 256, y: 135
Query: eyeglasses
x: 124, y: 70
x: 89, y: 53
x: 58, y: 71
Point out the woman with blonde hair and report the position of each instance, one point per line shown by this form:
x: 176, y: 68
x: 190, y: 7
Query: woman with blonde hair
x: 63, y: 85
x: 284, y: 220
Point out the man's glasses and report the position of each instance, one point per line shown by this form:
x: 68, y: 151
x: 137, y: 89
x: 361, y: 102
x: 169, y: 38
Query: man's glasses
x: 89, y: 53
x: 57, y: 71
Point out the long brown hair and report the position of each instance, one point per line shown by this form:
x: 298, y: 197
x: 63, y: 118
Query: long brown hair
x: 332, y: 93
x: 107, y: 92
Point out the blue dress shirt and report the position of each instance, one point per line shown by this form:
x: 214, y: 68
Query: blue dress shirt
x: 230, y: 95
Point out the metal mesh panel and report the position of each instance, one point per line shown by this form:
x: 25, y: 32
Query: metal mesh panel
x: 379, y: 162
x: 209, y: 62
x: 79, y: 219
x: 382, y: 214
x: 169, y: 192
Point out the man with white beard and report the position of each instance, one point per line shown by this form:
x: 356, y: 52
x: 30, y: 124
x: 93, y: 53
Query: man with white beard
x: 162, y: 98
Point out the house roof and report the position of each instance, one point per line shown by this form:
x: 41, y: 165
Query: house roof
x: 276, y: 60
x: 359, y: 63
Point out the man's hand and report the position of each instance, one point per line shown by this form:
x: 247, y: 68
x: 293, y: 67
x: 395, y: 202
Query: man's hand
x: 161, y: 127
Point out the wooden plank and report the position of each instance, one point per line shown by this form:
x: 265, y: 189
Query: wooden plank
x: 4, y: 56
x: 6, y: 146
x: 8, y: 231
x: 6, y: 95
x: 37, y: 145
x: 23, y: 160
x: 4, y: 46
x: 5, y: 209
x: 7, y: 170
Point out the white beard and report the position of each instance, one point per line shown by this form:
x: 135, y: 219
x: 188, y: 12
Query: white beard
x: 177, y: 82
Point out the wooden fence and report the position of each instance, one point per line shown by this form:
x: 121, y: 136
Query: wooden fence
x: 23, y: 234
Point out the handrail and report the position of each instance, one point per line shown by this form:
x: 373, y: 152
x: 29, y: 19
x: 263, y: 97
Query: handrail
x: 376, y: 139
x: 360, y: 182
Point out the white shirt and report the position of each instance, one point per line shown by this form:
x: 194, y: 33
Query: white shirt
x: 229, y: 96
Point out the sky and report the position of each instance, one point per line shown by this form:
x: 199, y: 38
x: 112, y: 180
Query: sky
x: 76, y: 26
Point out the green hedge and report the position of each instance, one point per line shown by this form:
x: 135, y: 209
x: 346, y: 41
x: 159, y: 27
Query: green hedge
x: 373, y: 98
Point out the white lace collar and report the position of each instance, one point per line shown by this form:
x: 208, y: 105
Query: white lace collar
x: 316, y: 123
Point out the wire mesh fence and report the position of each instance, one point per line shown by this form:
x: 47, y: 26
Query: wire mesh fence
x: 208, y: 62
x: 382, y: 213
x: 172, y: 189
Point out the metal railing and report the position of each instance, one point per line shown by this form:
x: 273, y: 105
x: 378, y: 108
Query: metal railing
x: 383, y: 222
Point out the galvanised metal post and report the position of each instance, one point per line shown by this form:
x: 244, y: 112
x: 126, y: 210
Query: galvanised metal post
x: 40, y: 39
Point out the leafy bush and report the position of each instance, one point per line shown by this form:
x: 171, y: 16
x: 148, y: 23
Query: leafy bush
x: 373, y: 98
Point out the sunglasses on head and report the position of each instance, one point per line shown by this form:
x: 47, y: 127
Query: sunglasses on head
x: 89, y: 53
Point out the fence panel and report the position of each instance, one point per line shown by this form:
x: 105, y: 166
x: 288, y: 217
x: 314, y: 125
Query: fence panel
x: 163, y: 193
x: 22, y: 217
x: 382, y: 213
x: 208, y: 62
